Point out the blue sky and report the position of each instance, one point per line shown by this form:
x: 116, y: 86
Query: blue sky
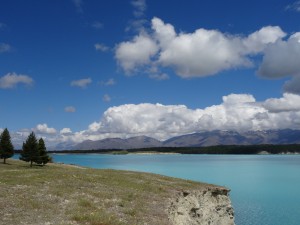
x: 73, y: 70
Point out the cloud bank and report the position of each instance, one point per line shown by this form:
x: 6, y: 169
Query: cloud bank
x: 239, y: 112
x: 236, y: 112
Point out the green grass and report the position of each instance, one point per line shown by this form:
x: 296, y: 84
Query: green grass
x: 63, y: 195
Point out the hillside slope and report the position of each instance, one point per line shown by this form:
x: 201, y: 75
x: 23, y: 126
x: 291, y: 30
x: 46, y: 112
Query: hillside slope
x: 211, y: 138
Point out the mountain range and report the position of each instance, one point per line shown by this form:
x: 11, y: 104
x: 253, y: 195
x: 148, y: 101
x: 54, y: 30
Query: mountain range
x: 210, y: 138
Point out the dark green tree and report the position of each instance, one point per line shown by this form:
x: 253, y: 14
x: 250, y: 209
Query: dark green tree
x: 6, y: 147
x: 43, y: 158
x: 30, y: 151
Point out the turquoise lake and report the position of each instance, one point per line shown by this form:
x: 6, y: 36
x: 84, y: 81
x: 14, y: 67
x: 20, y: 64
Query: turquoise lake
x: 265, y: 189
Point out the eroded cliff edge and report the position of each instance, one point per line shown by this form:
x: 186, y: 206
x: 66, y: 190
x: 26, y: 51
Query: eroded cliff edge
x: 211, y: 206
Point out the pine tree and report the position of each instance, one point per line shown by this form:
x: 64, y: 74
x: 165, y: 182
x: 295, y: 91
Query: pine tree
x: 6, y: 147
x: 43, y: 158
x: 30, y: 151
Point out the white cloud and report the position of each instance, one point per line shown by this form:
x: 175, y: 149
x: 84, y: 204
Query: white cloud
x: 44, y: 129
x: 65, y: 131
x: 4, y: 48
x: 201, y: 53
x: 11, y: 80
x: 259, y: 40
x: 236, y: 99
x: 289, y: 102
x: 237, y: 112
x: 106, y: 98
x: 101, y: 47
x: 136, y: 53
x: 208, y: 52
x: 70, y: 109
x: 139, y: 7
x: 294, y: 6
x: 82, y: 83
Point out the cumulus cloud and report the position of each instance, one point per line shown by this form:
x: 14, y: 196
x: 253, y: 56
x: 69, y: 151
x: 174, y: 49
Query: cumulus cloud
x: 201, y: 53
x: 237, y: 112
x: 65, y: 131
x: 44, y: 129
x: 136, y: 53
x: 4, y: 48
x: 259, y: 40
x: 288, y: 103
x: 101, y: 47
x: 281, y: 59
x: 82, y: 83
x: 11, y: 80
x: 70, y: 109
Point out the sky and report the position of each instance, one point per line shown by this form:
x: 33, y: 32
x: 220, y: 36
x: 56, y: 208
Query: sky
x: 75, y: 70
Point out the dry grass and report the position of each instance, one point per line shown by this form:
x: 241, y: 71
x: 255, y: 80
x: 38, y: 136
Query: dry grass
x: 62, y: 195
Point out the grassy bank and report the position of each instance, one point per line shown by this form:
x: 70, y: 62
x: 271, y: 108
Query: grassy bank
x: 64, y: 194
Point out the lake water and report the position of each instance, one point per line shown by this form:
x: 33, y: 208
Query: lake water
x: 265, y: 189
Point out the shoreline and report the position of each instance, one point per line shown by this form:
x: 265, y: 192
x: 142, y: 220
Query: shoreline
x: 169, y: 153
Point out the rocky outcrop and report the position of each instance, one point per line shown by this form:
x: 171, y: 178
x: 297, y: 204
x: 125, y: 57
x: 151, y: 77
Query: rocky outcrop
x: 210, y: 206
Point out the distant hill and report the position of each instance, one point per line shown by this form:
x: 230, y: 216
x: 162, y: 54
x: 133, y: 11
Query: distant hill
x: 118, y: 143
x: 211, y: 138
x: 235, y: 138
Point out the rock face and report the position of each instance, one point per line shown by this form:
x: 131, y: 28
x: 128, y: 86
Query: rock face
x: 211, y: 206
